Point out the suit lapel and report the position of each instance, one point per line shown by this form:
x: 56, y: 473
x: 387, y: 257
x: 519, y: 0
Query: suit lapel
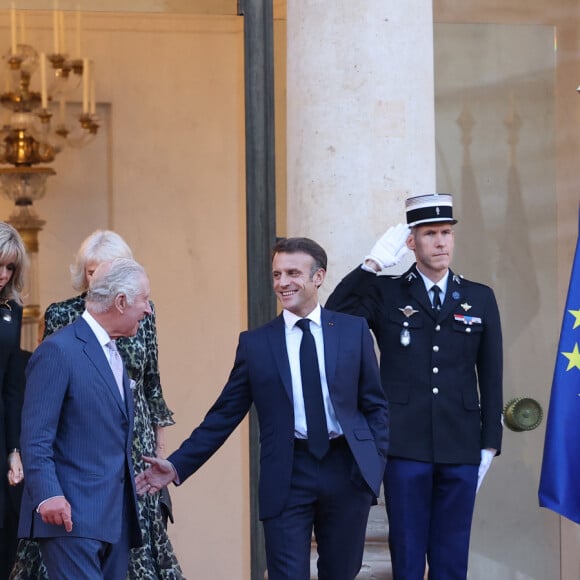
x: 452, y: 296
x: 95, y: 354
x: 331, y: 334
x: 277, y: 339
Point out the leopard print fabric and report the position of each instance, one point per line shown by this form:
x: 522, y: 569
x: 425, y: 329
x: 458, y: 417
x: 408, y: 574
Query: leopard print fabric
x: 155, y: 560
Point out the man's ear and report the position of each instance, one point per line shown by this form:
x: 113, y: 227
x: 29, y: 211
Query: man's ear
x: 411, y: 242
x: 120, y: 302
x: 318, y: 277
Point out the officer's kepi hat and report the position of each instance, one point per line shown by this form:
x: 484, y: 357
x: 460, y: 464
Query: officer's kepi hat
x: 431, y: 208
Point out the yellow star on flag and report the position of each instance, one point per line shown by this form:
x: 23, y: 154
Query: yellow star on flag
x: 573, y: 357
x: 576, y: 315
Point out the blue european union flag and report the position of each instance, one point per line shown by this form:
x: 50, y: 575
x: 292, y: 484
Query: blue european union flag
x: 560, y: 478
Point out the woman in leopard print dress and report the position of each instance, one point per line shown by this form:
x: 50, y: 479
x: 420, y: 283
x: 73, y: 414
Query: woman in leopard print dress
x: 155, y: 559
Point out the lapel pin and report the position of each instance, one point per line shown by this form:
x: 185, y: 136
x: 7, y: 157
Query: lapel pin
x: 466, y: 306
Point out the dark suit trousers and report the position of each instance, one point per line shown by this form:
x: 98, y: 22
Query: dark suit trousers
x: 329, y: 497
x: 430, y: 508
x: 69, y: 557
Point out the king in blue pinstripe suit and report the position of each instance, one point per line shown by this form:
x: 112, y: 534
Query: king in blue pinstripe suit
x: 79, y: 499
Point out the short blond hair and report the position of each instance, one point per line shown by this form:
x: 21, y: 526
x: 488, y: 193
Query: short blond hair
x: 101, y: 246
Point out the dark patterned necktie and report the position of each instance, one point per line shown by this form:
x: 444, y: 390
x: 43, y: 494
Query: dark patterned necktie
x: 318, y: 443
x: 436, y: 297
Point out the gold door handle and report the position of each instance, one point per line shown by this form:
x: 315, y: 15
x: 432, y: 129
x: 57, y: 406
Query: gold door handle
x: 522, y: 414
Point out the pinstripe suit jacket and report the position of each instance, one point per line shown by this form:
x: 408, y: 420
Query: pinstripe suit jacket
x: 76, y: 438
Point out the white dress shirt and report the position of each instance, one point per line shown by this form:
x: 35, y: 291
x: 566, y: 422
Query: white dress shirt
x: 293, y: 339
x: 101, y: 334
x: 442, y: 284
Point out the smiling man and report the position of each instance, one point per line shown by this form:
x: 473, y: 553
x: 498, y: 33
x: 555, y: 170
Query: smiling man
x: 79, y: 499
x: 441, y: 368
x: 313, y: 378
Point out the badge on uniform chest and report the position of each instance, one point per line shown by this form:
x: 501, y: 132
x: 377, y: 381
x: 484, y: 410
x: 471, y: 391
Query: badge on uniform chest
x: 6, y: 311
x: 405, y: 336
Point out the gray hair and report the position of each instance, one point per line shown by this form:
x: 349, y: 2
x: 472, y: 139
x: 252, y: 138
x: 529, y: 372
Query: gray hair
x: 118, y: 276
x: 12, y: 251
x: 101, y: 246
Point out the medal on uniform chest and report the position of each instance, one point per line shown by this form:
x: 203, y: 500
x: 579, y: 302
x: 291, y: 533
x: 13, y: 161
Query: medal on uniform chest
x: 405, y: 336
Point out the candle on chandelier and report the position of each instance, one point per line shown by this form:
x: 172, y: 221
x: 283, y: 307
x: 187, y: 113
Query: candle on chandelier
x: 86, y: 74
x: 61, y: 111
x: 13, y: 28
x: 43, y: 93
x: 78, y: 34
x: 55, y: 29
x: 62, y: 33
x: 92, y: 102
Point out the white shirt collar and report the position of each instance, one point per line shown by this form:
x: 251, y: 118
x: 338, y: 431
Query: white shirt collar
x: 429, y: 283
x: 101, y: 334
x: 290, y: 319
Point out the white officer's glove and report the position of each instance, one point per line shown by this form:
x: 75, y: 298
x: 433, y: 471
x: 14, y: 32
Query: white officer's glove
x: 391, y: 247
x: 486, y: 456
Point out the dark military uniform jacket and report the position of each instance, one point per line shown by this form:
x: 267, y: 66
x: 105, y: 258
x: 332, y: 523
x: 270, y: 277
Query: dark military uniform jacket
x: 441, y: 371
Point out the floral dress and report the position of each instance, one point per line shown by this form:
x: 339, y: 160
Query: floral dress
x: 155, y: 559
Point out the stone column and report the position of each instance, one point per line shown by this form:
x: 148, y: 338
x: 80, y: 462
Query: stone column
x: 360, y: 120
x: 360, y: 138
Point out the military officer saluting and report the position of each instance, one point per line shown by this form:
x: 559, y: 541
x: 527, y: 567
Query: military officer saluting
x: 440, y: 345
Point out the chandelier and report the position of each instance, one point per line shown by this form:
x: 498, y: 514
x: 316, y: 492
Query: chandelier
x: 37, y: 88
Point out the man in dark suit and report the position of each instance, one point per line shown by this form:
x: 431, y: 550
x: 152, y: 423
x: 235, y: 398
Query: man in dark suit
x: 441, y: 367
x: 79, y: 498
x: 320, y: 469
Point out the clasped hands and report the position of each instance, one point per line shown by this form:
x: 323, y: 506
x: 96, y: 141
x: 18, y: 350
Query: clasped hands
x: 159, y: 473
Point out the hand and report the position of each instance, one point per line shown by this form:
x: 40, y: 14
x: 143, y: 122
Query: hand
x: 155, y: 477
x: 486, y: 457
x: 391, y: 246
x: 56, y: 511
x: 15, y: 471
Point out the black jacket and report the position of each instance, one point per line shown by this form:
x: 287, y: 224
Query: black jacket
x: 445, y: 388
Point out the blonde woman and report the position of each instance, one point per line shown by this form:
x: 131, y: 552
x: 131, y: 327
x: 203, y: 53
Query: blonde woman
x: 13, y: 263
